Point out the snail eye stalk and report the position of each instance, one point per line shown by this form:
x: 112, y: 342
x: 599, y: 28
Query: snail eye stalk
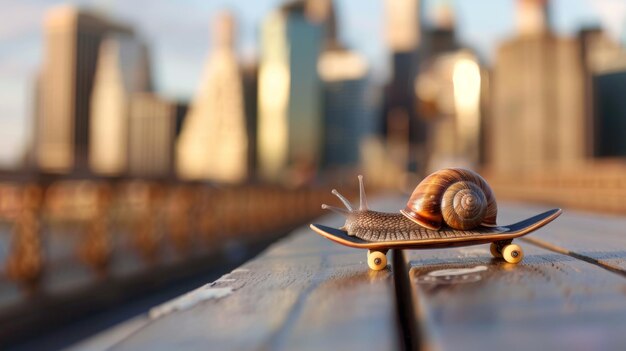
x: 362, y: 197
x: 344, y: 200
x: 337, y: 210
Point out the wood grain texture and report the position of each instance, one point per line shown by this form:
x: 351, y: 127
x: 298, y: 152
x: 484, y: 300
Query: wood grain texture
x: 104, y: 340
x: 465, y: 299
x: 597, y: 236
x: 303, y: 293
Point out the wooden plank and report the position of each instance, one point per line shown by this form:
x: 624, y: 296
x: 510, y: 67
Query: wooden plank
x: 104, y: 340
x: 600, y: 237
x: 303, y: 293
x: 464, y: 299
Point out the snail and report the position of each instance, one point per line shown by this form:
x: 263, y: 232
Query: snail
x: 451, y: 207
x: 450, y: 200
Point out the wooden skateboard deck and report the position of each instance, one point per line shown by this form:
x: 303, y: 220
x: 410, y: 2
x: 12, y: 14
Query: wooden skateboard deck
x: 481, y: 235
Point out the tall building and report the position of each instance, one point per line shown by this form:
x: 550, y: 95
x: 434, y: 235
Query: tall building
x: 449, y: 95
x: 533, y: 17
x: 449, y: 91
x: 403, y: 25
x: 30, y: 160
x: 290, y: 94
x: 213, y: 143
x: 348, y: 109
x: 250, y: 73
x: 610, y: 109
x: 439, y: 36
x: 538, y: 101
x: 151, y: 136
x: 180, y: 110
x: 604, y: 67
x: 322, y: 12
x: 122, y: 70
x: 405, y: 133
x: 72, y: 40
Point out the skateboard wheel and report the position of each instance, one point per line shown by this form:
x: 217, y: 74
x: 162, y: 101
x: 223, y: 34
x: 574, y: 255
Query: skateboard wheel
x: 495, y: 252
x: 376, y: 260
x: 512, y: 253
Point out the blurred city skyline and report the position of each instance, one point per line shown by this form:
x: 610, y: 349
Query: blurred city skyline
x: 179, y: 40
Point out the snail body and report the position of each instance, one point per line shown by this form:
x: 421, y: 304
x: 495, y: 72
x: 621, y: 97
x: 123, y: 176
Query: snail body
x: 450, y: 202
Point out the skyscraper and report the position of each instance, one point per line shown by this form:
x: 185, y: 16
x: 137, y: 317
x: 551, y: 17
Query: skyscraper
x: 448, y: 89
x: 72, y: 41
x: 610, y: 110
x: 250, y: 73
x: 449, y: 93
x: 290, y: 94
x: 122, y: 70
x: 213, y: 144
x: 348, y: 107
x: 404, y: 131
x: 532, y: 17
x: 403, y: 25
x: 152, y: 132
x: 439, y: 37
x: 348, y: 111
x: 538, y: 100
x: 604, y: 72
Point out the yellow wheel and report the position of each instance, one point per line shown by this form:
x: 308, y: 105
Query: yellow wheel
x: 512, y: 253
x: 376, y: 260
x: 494, y: 250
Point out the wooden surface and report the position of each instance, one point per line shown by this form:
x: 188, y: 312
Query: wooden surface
x: 308, y: 293
x: 304, y: 293
x: 595, y: 236
x: 549, y: 301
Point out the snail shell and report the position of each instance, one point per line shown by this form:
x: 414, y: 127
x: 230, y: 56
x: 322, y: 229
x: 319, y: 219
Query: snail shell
x: 460, y: 198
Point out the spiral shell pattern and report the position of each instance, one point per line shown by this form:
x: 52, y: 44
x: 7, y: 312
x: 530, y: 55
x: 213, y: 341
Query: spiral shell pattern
x: 460, y: 198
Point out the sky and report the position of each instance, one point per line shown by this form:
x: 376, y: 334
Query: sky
x: 177, y: 33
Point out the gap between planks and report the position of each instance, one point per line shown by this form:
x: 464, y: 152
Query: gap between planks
x: 414, y: 330
x: 404, y: 302
x: 561, y: 250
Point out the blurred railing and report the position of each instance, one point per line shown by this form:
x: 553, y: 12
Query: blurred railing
x: 594, y: 186
x: 62, y: 236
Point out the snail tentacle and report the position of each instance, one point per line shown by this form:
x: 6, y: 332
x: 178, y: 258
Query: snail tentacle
x: 343, y: 199
x: 362, y: 197
x: 337, y: 210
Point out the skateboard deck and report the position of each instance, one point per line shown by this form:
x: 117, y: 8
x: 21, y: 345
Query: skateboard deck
x: 481, y: 235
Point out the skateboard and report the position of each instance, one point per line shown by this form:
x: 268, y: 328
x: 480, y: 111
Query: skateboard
x: 499, y: 237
